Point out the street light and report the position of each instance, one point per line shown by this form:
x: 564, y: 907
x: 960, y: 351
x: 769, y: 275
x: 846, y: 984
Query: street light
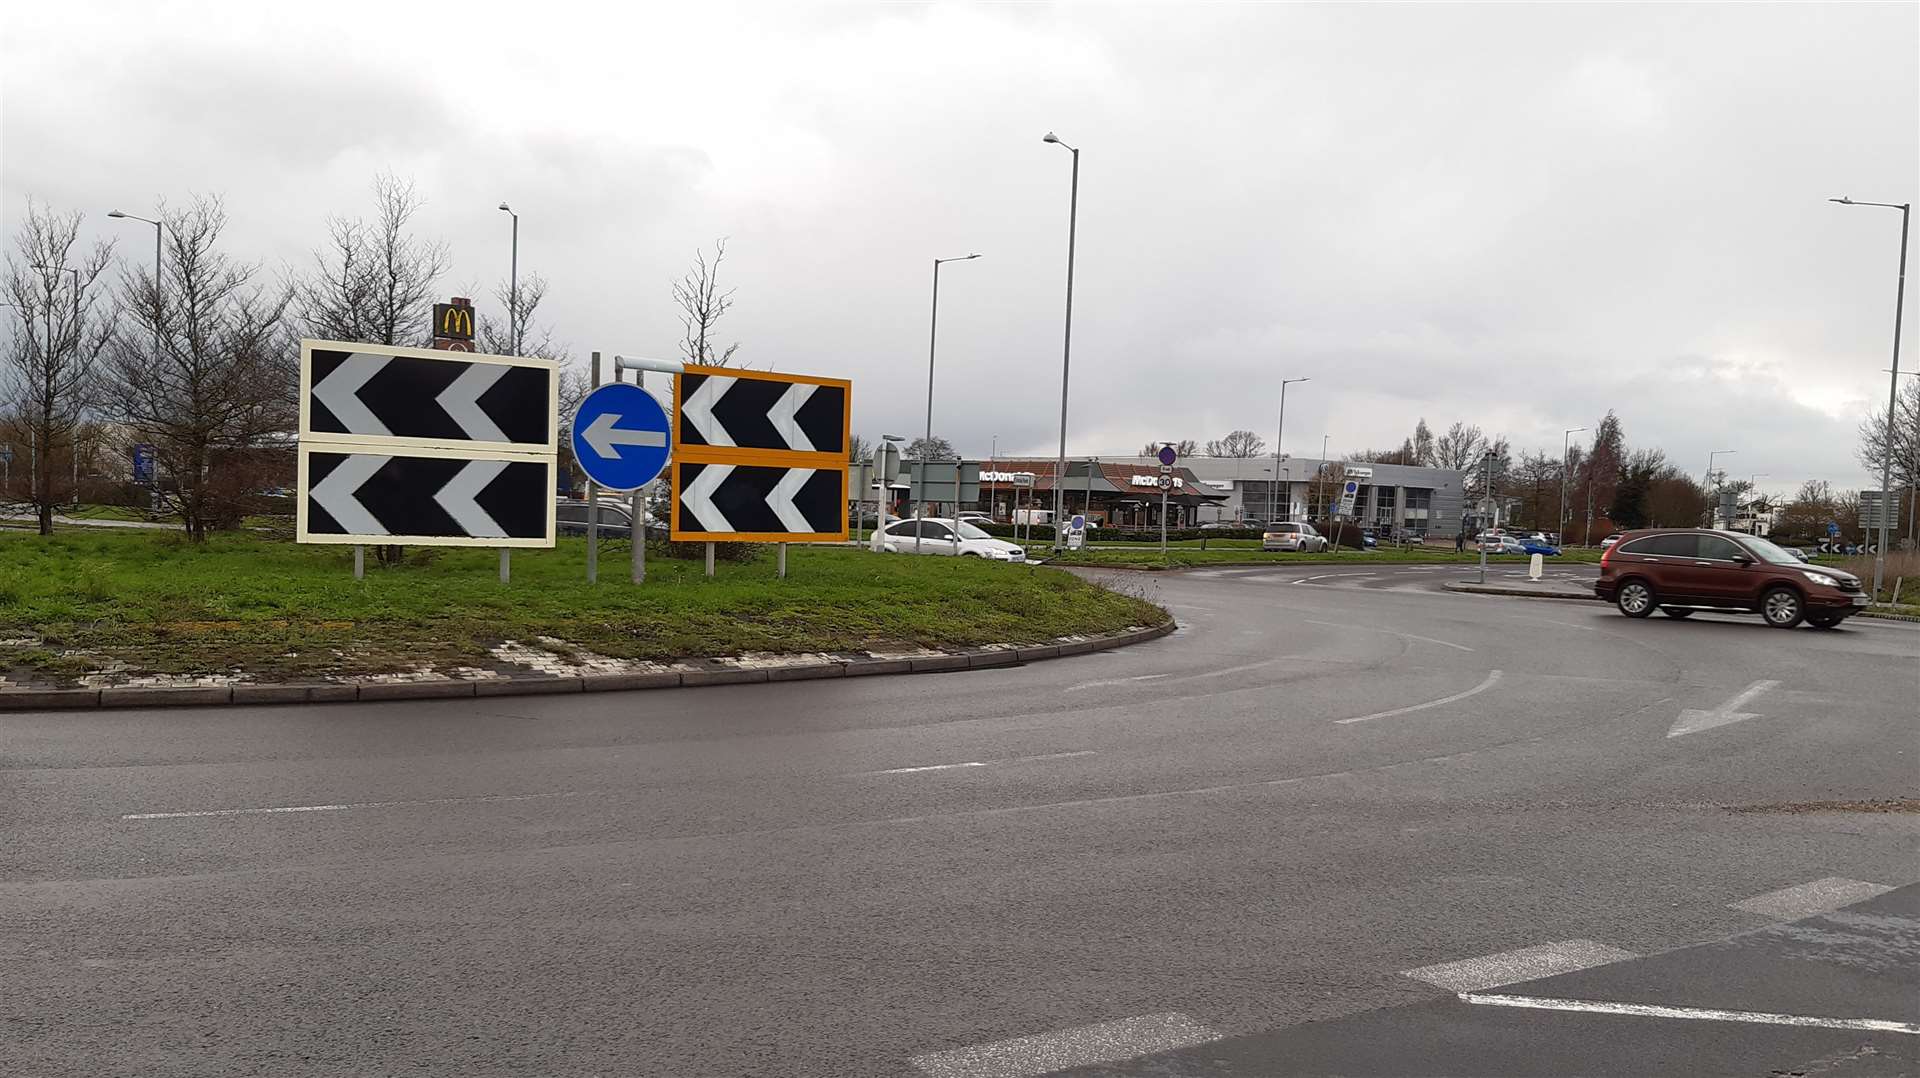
x: 1893, y: 384
x: 1278, y: 436
x: 513, y: 285
x: 1066, y: 347
x: 1566, y: 466
x: 156, y: 273
x: 926, y: 444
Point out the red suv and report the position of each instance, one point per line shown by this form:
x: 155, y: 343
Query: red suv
x: 1681, y: 571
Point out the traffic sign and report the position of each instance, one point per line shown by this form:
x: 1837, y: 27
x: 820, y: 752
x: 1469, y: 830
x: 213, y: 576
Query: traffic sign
x: 143, y: 463
x: 1167, y: 455
x: 1348, y: 494
x: 621, y: 436
x: 426, y: 398
x: 1166, y: 482
x: 737, y: 409
x: 1833, y: 529
x: 1078, y: 523
x: 445, y: 498
x: 758, y: 456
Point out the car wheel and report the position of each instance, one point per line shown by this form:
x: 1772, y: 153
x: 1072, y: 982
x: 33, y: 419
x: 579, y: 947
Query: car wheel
x: 1782, y: 608
x: 1635, y: 599
x: 1825, y: 621
x: 1676, y: 612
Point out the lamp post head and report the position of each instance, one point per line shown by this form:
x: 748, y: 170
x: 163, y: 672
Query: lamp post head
x: 1050, y: 137
x: 891, y: 438
x: 976, y: 254
x: 1843, y: 200
x: 508, y: 208
x: 115, y: 213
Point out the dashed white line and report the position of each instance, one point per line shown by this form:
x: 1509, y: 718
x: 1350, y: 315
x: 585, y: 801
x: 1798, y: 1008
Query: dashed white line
x: 1512, y: 967
x: 1807, y: 899
x: 1704, y: 1014
x: 980, y: 763
x: 1114, y: 681
x: 1389, y: 632
x: 1493, y: 678
x: 1106, y: 1042
x: 342, y: 807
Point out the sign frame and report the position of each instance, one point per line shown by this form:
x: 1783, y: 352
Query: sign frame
x: 685, y: 453
x: 673, y: 510
x: 302, y: 535
x: 429, y: 446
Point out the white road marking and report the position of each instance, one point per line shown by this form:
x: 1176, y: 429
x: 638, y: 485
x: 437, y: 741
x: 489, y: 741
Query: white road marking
x: 1114, y: 681
x: 1512, y: 967
x: 1705, y: 1014
x: 336, y: 808
x: 1493, y: 678
x: 1389, y: 632
x: 1693, y: 720
x: 980, y: 763
x: 1807, y: 899
x: 1106, y: 1042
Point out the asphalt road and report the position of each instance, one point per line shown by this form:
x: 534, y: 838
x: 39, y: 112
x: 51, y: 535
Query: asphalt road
x: 1292, y: 837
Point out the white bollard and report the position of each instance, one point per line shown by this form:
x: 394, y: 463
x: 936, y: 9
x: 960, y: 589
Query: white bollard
x: 1535, y: 566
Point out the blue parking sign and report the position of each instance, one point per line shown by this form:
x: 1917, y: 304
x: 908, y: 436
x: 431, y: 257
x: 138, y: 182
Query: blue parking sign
x: 621, y: 437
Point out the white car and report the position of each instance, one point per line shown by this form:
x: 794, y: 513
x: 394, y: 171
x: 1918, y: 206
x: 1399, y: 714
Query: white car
x: 1293, y: 535
x: 1502, y: 544
x: 934, y: 535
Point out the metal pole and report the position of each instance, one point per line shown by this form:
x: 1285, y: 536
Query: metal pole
x: 513, y: 297
x: 640, y: 534
x: 879, y: 497
x: 1165, y: 558
x: 780, y: 569
x: 709, y: 560
x: 1087, y: 509
x: 359, y: 561
x: 1066, y: 348
x: 1483, y: 545
x: 1893, y: 387
x: 593, y: 503
x: 506, y: 568
x: 926, y: 443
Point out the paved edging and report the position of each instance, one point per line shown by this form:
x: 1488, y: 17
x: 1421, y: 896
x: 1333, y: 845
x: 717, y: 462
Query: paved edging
x: 713, y: 673
x: 1472, y: 588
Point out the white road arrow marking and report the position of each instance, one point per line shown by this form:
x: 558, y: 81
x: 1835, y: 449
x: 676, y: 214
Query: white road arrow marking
x: 699, y: 409
x: 338, y: 391
x: 781, y: 499
x: 698, y: 497
x: 604, y: 437
x: 457, y: 498
x: 335, y: 494
x: 783, y: 420
x: 1693, y: 720
x: 461, y: 400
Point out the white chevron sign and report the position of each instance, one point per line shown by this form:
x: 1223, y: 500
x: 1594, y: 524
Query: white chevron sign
x: 783, y: 416
x: 699, y: 410
x: 457, y: 498
x: 698, y: 498
x: 340, y: 390
x: 780, y: 499
x: 336, y: 494
x: 461, y: 400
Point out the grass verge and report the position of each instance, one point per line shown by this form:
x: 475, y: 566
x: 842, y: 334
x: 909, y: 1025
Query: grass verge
x: 80, y: 601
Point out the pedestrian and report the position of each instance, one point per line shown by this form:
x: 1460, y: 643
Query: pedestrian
x: 1460, y: 542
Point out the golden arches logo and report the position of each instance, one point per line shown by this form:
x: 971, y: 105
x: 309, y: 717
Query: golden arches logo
x: 456, y: 322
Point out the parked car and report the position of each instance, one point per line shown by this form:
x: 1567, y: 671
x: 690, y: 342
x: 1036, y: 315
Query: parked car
x: 1537, y: 544
x: 1796, y: 552
x: 936, y: 536
x: 1502, y: 544
x: 975, y: 518
x: 570, y: 517
x: 1368, y: 541
x: 1683, y: 570
x: 1609, y: 541
x: 1293, y: 535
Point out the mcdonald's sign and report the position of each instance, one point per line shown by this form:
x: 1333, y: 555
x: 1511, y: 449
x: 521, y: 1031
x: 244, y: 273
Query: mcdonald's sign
x: 453, y: 321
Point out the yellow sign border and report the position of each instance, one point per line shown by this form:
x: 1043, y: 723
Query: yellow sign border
x: 759, y: 458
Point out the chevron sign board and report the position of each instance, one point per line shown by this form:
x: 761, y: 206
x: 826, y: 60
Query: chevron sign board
x: 354, y: 495
x: 426, y: 398
x: 425, y: 447
x: 759, y: 457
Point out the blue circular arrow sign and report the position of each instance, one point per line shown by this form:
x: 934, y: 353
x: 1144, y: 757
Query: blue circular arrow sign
x: 621, y: 437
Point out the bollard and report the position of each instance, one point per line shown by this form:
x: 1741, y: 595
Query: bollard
x: 1535, y: 566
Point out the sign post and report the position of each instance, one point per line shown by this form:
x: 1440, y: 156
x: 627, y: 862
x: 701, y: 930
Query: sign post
x: 622, y: 438
x: 1167, y: 457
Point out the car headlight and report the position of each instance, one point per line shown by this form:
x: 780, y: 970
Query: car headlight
x: 1821, y: 578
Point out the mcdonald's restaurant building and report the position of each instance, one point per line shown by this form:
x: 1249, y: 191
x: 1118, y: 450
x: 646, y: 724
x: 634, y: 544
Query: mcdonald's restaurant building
x: 1122, y: 494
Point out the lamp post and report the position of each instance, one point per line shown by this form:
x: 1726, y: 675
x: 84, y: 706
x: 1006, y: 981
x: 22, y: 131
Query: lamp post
x: 1066, y: 346
x: 156, y: 273
x: 926, y: 444
x: 1278, y: 436
x: 881, y: 487
x: 513, y: 285
x: 1715, y: 514
x: 1566, y: 466
x: 1893, y: 385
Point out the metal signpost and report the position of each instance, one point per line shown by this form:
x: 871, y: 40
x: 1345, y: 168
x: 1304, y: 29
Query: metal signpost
x: 425, y: 447
x: 142, y: 464
x: 1349, y: 494
x: 759, y: 457
x: 622, y: 440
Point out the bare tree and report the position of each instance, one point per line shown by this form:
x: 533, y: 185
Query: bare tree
x: 1422, y: 444
x: 52, y: 359
x: 1239, y: 444
x: 937, y: 449
x: 374, y: 282
x: 218, y: 403
x: 859, y: 449
x: 702, y: 304
x: 535, y: 340
x: 1906, y: 438
x: 1185, y: 447
x: 1459, y: 448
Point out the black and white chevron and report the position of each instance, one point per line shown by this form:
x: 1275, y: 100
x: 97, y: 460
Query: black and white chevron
x: 449, y: 400
x: 748, y: 412
x: 743, y: 498
x: 380, y: 495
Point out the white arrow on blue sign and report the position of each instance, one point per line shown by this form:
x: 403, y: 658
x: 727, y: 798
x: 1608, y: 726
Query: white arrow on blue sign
x: 621, y: 437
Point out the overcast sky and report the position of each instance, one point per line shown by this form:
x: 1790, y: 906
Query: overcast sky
x: 1519, y: 216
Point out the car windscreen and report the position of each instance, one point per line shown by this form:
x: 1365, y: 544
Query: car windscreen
x: 1767, y: 552
x: 968, y: 531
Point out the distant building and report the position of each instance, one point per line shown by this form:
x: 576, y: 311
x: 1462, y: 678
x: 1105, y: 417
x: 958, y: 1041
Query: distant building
x: 1123, y: 493
x: 1394, y: 499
